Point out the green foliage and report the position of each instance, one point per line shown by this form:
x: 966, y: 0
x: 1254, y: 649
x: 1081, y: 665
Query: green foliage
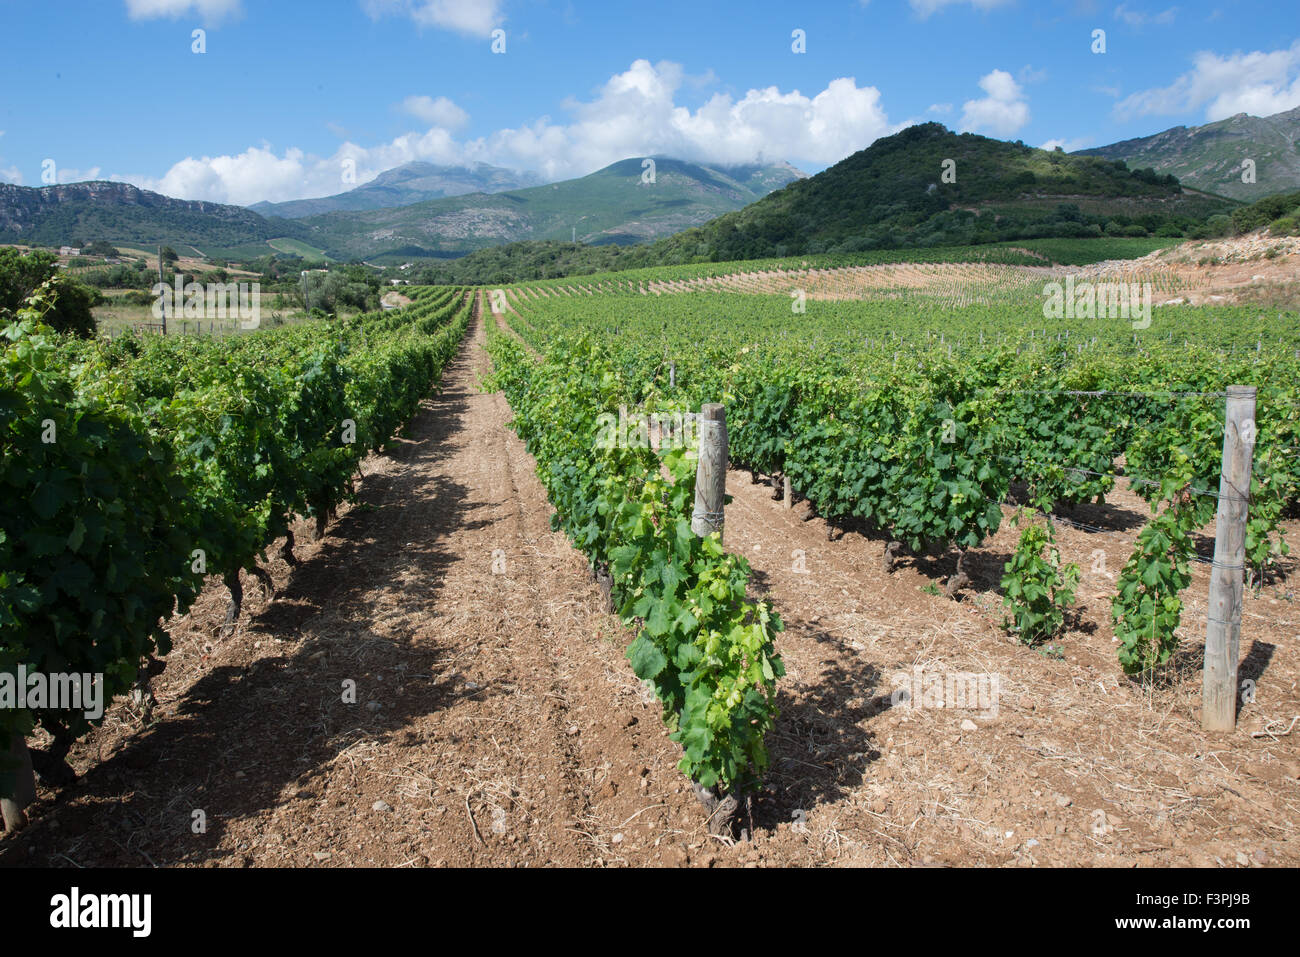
x: 707, y: 649
x: 21, y: 275
x: 876, y: 415
x: 34, y: 282
x: 1187, y: 452
x: 1036, y: 588
x: 98, y: 554
x: 1260, y: 214
x: 146, y: 464
x: 1146, y: 609
x: 1286, y: 225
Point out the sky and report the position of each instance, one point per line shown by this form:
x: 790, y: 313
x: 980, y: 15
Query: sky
x: 239, y: 101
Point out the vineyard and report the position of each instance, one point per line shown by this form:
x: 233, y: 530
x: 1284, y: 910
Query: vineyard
x: 150, y: 464
x: 933, y: 493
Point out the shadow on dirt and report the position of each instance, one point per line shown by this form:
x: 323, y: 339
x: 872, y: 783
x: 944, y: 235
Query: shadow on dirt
x: 246, y: 736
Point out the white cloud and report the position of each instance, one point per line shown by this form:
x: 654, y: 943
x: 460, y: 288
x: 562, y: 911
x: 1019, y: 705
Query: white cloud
x: 1002, y: 112
x: 927, y: 7
x: 633, y: 114
x: 440, y: 112
x: 11, y: 174
x: 259, y: 173
x: 210, y: 10
x: 1258, y: 83
x: 939, y: 108
x: 1137, y: 18
x: 1068, y: 145
x: 475, y: 17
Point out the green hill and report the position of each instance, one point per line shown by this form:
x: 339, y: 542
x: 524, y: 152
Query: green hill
x: 893, y: 195
x: 1209, y: 157
x: 122, y: 213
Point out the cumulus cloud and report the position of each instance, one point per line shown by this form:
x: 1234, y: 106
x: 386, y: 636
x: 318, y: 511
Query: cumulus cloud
x: 440, y: 112
x: 634, y: 114
x: 259, y: 173
x: 11, y: 174
x: 210, y: 10
x: 474, y: 17
x: 927, y: 7
x: 1258, y: 83
x: 1002, y: 112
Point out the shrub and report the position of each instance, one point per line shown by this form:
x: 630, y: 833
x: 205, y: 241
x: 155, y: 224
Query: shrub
x: 1036, y: 587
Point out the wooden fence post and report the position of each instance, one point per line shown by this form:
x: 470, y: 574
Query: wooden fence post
x: 711, y: 472
x: 1223, y: 630
x: 13, y: 808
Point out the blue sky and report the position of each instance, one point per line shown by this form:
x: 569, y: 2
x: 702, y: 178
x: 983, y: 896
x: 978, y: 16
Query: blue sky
x: 295, y: 99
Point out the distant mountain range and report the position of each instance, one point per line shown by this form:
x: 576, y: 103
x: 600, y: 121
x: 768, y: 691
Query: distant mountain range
x: 618, y: 204
x: 923, y: 186
x: 404, y: 186
x: 1210, y: 157
x: 120, y: 212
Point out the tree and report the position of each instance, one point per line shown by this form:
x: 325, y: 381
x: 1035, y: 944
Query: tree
x: 34, y: 280
x: 169, y: 256
x: 20, y: 275
x: 67, y: 306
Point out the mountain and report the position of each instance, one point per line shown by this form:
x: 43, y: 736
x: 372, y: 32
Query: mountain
x: 404, y: 186
x: 1209, y: 157
x: 120, y: 212
x: 894, y: 194
x: 617, y: 204
x: 612, y: 205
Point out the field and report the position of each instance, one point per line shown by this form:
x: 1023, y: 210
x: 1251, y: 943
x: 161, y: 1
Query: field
x: 297, y: 247
x: 117, y: 317
x: 521, y: 606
